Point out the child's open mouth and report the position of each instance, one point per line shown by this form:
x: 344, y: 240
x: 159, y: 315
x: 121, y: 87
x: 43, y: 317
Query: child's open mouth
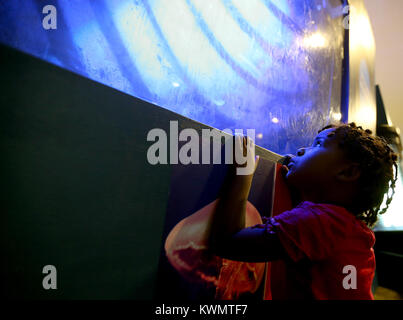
x: 288, y: 164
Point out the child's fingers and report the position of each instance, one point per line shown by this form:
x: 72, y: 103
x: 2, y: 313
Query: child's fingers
x: 257, y: 158
x: 238, y: 142
x: 238, y: 148
x: 245, y: 145
x: 245, y: 158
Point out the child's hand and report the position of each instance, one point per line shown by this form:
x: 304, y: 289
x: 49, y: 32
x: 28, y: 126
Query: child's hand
x: 245, y: 161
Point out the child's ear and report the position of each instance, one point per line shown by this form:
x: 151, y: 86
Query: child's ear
x: 349, y: 172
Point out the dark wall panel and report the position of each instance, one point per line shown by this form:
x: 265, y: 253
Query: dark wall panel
x: 78, y: 192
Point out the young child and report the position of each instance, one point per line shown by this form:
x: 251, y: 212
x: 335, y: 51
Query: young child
x: 323, y: 247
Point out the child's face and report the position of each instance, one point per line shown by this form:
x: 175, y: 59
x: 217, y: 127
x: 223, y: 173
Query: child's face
x: 314, y: 167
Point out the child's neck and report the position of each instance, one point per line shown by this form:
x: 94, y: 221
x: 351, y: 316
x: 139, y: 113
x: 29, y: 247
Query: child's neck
x: 322, y: 197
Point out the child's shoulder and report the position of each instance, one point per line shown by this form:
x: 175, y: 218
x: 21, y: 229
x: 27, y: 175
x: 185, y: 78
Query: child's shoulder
x: 317, y: 229
x: 325, y: 209
x: 322, y: 214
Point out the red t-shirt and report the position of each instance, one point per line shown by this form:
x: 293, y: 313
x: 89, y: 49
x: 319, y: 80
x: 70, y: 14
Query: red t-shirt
x: 330, y: 254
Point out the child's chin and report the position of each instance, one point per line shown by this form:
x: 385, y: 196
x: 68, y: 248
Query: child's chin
x: 291, y: 179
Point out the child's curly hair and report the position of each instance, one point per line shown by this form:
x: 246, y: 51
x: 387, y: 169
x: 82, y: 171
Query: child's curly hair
x: 376, y: 160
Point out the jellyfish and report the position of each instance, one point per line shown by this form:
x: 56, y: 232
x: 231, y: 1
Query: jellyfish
x: 186, y: 250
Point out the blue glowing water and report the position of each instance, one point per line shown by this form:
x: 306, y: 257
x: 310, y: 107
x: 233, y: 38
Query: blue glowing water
x: 275, y: 66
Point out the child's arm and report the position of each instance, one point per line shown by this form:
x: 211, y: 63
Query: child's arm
x: 228, y: 236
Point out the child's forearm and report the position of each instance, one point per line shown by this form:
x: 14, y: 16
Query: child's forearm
x: 229, y: 215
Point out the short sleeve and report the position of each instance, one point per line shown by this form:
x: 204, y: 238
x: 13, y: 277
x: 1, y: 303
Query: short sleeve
x: 305, y: 232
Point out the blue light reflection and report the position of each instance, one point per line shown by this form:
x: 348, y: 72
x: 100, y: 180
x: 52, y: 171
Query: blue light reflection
x: 274, y: 66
